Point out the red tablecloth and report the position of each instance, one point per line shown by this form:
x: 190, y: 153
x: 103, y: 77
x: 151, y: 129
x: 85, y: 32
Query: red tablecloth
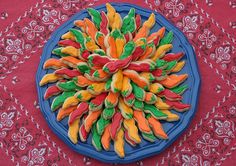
x: 25, y: 138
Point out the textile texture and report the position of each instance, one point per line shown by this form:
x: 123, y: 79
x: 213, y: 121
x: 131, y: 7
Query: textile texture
x: 25, y: 26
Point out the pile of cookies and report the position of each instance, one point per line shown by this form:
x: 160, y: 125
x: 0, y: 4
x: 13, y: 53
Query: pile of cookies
x: 116, y: 80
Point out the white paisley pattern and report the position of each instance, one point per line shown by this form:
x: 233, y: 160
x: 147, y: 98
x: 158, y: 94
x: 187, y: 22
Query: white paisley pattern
x: 67, y: 4
x: 188, y: 25
x: 193, y: 160
x: 207, y: 144
x: 22, y: 138
x: 35, y: 157
x: 52, y: 18
x: 32, y: 30
x: 6, y: 122
x: 207, y: 38
x: 222, y: 56
x: 225, y: 129
x: 174, y: 7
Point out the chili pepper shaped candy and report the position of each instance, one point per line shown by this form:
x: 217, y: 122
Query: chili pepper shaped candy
x: 91, y: 119
x: 68, y: 86
x: 98, y: 60
x: 108, y: 113
x: 49, y: 78
x: 80, y: 24
x: 156, y: 127
x: 140, y: 48
x: 120, y: 42
x: 128, y: 139
x: 150, y: 98
x: 170, y: 66
x: 73, y: 131
x: 100, y: 52
x: 156, y: 88
x: 83, y: 133
x: 174, y: 80
x: 116, y: 84
x: 167, y: 39
x: 52, y: 91
x: 150, y: 50
x: 91, y: 29
x: 53, y: 63
x: 97, y: 103
x: 127, y: 50
x: 117, y: 22
x: 147, y: 25
x: 129, y: 125
x: 90, y: 44
x: 70, y: 50
x: 125, y: 110
x: 168, y: 94
x: 135, y: 77
x: 104, y: 23
x: 110, y: 14
x: 67, y: 73
x: 160, y: 104
x: 82, y: 81
x: 148, y: 76
x: 139, y: 93
x: 159, y: 74
x: 81, y: 109
x: 119, y: 144
x: 149, y: 136
x: 100, y: 75
x: 171, y: 117
x: 62, y: 113
x: 173, y: 56
x: 117, y: 120
x: 126, y: 87
x: 96, y: 88
x: 111, y: 99
x: 57, y: 51
x: 178, y: 106
x: 138, y: 21
x: 79, y: 37
x: 83, y: 95
x: 129, y: 100
x: 101, y: 125
x: 179, y: 89
x: 68, y: 35
x: 142, y: 122
x: 148, y: 108
x: 71, y: 61
x: 83, y: 67
x: 138, y: 105
x: 96, y: 17
x: 110, y: 45
x: 96, y: 139
x: 161, y: 64
x: 178, y: 67
x: 83, y: 54
x: 114, y: 66
x: 146, y: 65
x: 100, y: 40
x: 159, y: 34
x: 70, y: 101
x: 129, y: 24
x: 106, y: 138
x: 108, y: 84
x: 161, y: 51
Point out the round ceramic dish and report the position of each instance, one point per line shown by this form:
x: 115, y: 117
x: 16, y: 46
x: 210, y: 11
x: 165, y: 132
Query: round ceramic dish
x: 145, y: 149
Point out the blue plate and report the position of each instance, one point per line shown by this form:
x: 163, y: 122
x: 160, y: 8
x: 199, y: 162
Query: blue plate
x: 145, y: 149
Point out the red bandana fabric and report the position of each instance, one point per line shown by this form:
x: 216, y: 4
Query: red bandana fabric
x: 25, y: 26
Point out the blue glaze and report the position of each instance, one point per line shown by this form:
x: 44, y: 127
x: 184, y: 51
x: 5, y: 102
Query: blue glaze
x: 145, y: 149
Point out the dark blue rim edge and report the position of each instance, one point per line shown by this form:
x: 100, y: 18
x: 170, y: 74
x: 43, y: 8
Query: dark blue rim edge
x: 146, y: 152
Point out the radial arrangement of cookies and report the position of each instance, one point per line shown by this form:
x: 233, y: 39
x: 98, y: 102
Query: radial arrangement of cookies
x: 116, y: 80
